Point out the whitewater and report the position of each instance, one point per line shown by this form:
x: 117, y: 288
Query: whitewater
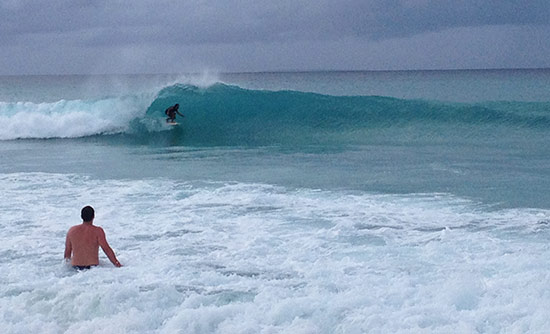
x: 322, y: 202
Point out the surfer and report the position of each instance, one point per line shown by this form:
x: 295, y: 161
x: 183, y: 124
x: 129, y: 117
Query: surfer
x: 171, y: 113
x: 83, y: 243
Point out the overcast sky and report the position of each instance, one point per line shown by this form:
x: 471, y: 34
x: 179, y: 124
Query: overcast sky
x: 159, y: 36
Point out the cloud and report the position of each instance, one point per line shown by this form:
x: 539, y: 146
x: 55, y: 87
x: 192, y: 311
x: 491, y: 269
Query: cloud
x: 80, y: 35
x: 238, y: 21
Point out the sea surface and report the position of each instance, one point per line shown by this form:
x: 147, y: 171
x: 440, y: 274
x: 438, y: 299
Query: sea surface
x: 314, y: 202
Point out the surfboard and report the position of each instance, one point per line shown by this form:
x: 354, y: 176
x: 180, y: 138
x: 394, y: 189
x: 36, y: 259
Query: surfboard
x: 171, y: 123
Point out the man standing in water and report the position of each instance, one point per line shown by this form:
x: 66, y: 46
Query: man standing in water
x: 171, y: 113
x: 83, y: 242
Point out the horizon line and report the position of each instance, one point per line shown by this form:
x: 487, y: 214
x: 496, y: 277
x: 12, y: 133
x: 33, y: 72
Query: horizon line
x: 290, y: 71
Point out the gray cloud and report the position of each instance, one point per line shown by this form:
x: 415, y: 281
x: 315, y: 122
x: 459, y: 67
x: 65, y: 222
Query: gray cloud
x: 244, y: 20
x: 73, y: 27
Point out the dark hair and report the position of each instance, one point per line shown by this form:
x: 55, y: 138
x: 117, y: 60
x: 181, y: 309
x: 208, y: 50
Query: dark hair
x: 177, y: 105
x: 87, y: 213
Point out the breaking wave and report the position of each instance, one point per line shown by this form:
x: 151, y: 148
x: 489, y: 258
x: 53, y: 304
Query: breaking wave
x: 222, y: 114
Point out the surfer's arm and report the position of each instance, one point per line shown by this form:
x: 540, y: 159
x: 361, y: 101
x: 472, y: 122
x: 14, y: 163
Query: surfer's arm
x: 180, y: 113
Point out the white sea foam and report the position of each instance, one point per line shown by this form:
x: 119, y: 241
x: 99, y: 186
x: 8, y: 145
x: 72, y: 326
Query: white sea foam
x: 69, y: 119
x: 254, y: 258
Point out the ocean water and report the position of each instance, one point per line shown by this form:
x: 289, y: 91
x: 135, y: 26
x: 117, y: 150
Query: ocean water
x: 317, y: 202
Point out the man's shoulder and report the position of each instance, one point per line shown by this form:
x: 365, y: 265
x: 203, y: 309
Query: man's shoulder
x: 98, y: 229
x: 74, y: 227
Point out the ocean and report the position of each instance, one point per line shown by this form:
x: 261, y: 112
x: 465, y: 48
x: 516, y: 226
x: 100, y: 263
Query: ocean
x: 300, y: 202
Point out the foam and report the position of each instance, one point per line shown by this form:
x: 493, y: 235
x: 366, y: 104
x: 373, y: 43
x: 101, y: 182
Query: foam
x: 69, y: 119
x: 242, y: 257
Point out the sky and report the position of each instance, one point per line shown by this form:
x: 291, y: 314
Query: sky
x: 160, y: 36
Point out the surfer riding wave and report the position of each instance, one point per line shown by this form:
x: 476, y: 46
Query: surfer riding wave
x: 171, y: 113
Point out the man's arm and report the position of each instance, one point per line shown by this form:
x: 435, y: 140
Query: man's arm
x: 106, y: 248
x: 180, y: 113
x: 68, y: 248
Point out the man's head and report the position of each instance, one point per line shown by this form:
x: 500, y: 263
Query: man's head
x: 177, y: 106
x: 87, y: 214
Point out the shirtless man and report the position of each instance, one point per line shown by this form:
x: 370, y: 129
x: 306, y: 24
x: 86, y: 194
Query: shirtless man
x: 83, y: 242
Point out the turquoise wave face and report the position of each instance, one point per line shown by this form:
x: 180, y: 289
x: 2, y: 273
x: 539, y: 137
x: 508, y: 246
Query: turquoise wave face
x: 229, y: 115
x: 225, y: 115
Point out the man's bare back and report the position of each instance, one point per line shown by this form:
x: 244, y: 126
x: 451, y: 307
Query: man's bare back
x: 83, y: 242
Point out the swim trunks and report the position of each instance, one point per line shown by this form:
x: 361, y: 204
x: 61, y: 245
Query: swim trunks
x: 81, y: 267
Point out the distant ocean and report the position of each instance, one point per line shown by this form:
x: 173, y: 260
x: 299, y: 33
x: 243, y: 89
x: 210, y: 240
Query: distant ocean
x: 314, y: 202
